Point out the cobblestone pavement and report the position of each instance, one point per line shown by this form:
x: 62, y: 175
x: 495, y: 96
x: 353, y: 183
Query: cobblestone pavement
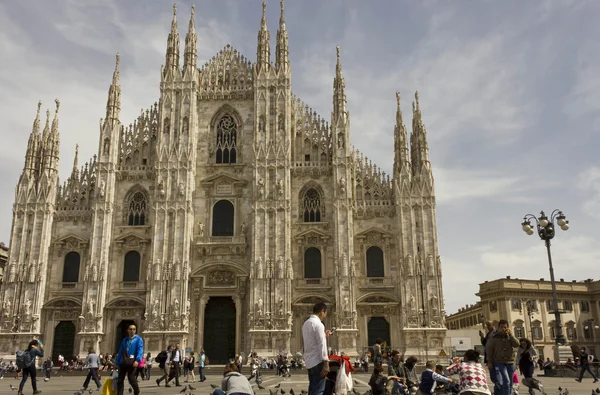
x: 298, y: 381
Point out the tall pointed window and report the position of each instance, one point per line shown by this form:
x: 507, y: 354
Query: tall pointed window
x: 131, y: 267
x: 71, y: 267
x: 223, y: 218
x: 312, y: 263
x: 136, y: 215
x: 226, y: 140
x: 311, y: 206
x: 375, y: 262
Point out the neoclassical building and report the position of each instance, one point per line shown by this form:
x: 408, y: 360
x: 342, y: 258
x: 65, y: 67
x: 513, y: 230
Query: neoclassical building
x: 529, y: 308
x: 220, y: 216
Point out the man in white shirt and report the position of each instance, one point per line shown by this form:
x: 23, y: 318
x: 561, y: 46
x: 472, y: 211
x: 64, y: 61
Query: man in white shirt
x: 315, y: 349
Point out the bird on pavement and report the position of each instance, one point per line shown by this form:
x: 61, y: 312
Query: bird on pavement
x: 271, y: 392
x: 559, y: 389
x: 292, y: 391
x: 183, y: 390
x: 130, y: 390
x: 302, y: 392
x: 356, y: 382
x: 191, y: 388
x: 12, y: 388
x: 597, y: 390
x: 282, y: 391
x: 278, y: 385
x: 260, y: 387
x: 214, y: 386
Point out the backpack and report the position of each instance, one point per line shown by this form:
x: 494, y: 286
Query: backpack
x: 161, y: 358
x: 23, y: 359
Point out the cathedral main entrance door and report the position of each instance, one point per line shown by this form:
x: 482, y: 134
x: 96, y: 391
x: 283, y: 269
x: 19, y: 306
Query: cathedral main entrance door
x: 219, y: 329
x: 121, y: 333
x: 378, y: 328
x: 64, y: 341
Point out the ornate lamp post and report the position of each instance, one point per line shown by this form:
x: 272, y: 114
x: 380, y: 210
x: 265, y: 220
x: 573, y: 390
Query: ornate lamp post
x: 546, y: 230
x: 529, y: 306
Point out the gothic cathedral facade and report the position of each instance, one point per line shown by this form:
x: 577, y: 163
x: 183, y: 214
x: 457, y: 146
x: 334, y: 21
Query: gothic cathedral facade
x: 220, y: 216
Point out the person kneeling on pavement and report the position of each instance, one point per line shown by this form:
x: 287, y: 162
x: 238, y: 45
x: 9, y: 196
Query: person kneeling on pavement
x: 233, y: 382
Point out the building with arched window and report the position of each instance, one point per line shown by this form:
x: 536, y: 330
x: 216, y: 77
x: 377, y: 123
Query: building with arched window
x: 529, y: 308
x: 221, y: 215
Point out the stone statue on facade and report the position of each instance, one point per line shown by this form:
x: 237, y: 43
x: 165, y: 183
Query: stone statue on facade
x: 280, y: 306
x: 155, y: 312
x: 27, y: 306
x: 102, y: 188
x: 243, y: 229
x: 439, y: 264
x: 261, y: 187
x: 252, y: 268
x: 259, y: 307
x: 433, y: 302
x: 32, y: 271
x: 290, y: 319
x: 411, y: 303
x: 188, y: 306
x: 259, y: 268
x: 250, y: 320
x: 336, y: 267
x: 430, y: 266
x: 94, y: 272
x: 354, y: 318
x: 181, y: 189
x: 161, y: 189
x: 342, y: 185
x: 12, y: 272
x: 352, y: 267
x: 90, y: 307
x: 157, y: 270
x: 6, y: 308
x: 176, y: 308
x: 410, y: 270
x: 280, y: 267
x: 344, y: 259
x: 178, y: 270
x: 279, y: 186
x: 201, y: 229
x: 290, y: 269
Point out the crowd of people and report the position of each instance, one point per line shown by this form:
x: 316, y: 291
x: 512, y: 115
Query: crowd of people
x: 505, y: 357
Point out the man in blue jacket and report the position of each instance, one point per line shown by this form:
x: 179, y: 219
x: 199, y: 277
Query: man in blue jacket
x: 131, y: 352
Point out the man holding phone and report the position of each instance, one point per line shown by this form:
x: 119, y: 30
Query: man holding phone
x: 501, y: 357
x: 315, y: 349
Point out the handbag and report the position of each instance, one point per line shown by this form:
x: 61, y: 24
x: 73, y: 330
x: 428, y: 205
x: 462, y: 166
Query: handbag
x: 127, y: 360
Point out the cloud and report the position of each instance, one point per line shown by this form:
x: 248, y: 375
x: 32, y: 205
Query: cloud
x: 589, y: 183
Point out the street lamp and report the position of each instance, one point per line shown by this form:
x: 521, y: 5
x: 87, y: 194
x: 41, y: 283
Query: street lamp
x: 546, y: 231
x: 529, y: 305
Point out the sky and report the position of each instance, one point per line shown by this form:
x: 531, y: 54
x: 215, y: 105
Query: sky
x: 510, y: 95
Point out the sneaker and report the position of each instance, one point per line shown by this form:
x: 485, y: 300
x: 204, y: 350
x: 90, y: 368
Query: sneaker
x: 578, y: 380
x: 158, y: 382
x: 37, y: 392
x: 595, y: 381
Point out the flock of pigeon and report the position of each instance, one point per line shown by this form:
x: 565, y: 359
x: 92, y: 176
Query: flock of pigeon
x: 190, y: 388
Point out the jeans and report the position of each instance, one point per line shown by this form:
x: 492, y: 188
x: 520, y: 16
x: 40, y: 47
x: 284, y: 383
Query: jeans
x: 585, y: 368
x: 30, y: 371
x: 503, y: 374
x: 148, y: 368
x: 92, y: 374
x: 130, y: 372
x: 316, y: 384
x: 201, y: 373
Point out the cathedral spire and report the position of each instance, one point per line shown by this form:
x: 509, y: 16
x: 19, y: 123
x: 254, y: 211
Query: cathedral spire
x: 339, y: 88
x: 401, y: 158
x: 190, y: 57
x: 282, y: 60
x: 263, y: 52
x: 172, y: 57
x: 33, y: 145
x: 419, y: 150
x: 113, y: 105
x: 51, y: 141
x: 76, y: 161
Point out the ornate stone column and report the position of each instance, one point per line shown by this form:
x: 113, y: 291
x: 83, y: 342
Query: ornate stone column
x: 200, y: 320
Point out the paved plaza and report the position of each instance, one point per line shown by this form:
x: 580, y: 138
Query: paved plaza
x: 298, y: 381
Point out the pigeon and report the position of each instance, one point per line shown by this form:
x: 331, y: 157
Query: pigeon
x: 302, y: 392
x: 12, y: 388
x: 292, y: 391
x: 271, y: 392
x: 282, y: 391
x: 278, y: 385
x: 260, y: 387
x: 183, y: 390
x: 191, y: 388
x: 356, y: 382
x: 214, y: 386
x: 130, y: 390
x: 559, y: 389
x: 90, y: 391
x: 597, y: 390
